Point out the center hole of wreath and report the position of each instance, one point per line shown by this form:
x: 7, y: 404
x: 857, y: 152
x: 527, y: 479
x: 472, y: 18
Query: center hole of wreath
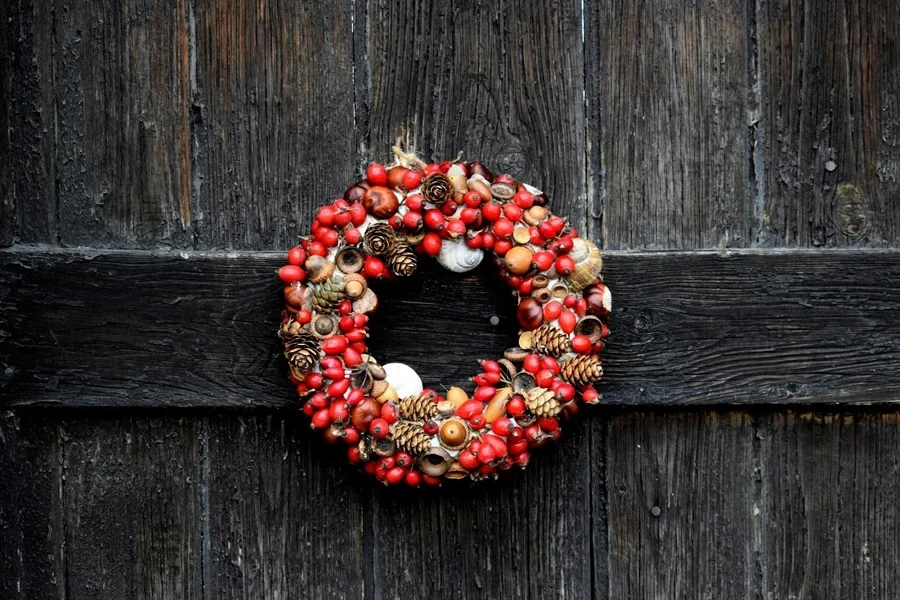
x: 442, y: 323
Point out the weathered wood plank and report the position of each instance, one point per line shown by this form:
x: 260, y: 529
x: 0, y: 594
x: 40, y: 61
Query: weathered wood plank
x: 830, y: 122
x: 273, y: 118
x: 667, y: 90
x: 32, y: 565
x: 680, y: 503
x: 501, y: 82
x: 28, y: 166
x: 831, y: 522
x: 131, y: 508
x: 123, y: 151
x: 146, y: 329
x: 285, y: 518
x: 527, y: 536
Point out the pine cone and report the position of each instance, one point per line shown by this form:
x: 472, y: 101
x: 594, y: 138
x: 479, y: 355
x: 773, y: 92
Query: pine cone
x: 327, y: 296
x: 581, y: 370
x: 301, y: 349
x: 437, y: 189
x: 542, y: 402
x: 411, y: 437
x: 379, y: 239
x: 549, y: 339
x: 402, y: 259
x: 420, y: 407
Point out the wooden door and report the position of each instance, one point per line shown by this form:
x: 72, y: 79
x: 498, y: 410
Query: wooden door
x: 739, y: 162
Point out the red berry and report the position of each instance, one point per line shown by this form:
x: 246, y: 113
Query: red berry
x: 565, y: 265
x: 296, y: 256
x: 376, y: 174
x: 512, y: 212
x: 524, y: 199
x: 503, y: 227
x: 543, y: 260
x: 469, y: 215
x: 491, y: 366
x: 413, y: 478
x: 357, y: 214
x: 456, y: 228
x: 491, y: 211
x: 412, y: 220
x: 411, y: 179
x: 552, y: 310
x: 325, y: 216
x: 501, y: 247
x: 488, y: 240
x: 484, y: 393
x: 547, y: 230
x: 566, y: 392
x: 352, y: 357
x: 487, y: 454
x: 544, y: 378
x: 501, y: 426
x: 567, y: 321
x: 379, y: 428
x: 338, y: 388
x: 374, y: 268
x: 338, y: 411
x: 582, y: 344
x: 351, y: 435
x: 532, y: 363
x: 352, y: 235
x: 548, y: 362
x: 291, y: 274
x: 321, y: 419
x: 516, y: 407
x: 415, y: 202
x: 468, y: 461
x: 432, y: 243
x: 313, y: 380
x: 318, y: 249
x: 304, y: 316
x: 434, y: 219
x: 353, y: 454
x: 336, y: 344
x: 470, y: 408
x: 448, y: 208
x: 472, y: 199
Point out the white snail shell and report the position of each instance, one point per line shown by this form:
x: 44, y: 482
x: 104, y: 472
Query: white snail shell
x: 404, y: 380
x: 457, y: 257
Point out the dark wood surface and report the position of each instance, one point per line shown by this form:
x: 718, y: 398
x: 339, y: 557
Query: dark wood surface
x: 658, y: 125
x: 119, y: 329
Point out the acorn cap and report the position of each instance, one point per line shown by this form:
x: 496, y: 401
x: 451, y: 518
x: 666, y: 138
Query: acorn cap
x: 323, y: 325
x: 350, y: 260
x: 435, y: 462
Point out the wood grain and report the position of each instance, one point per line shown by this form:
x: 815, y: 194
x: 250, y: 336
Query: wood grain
x: 285, y: 512
x: 123, y: 151
x: 830, y: 122
x: 527, y: 536
x: 273, y: 118
x: 830, y: 483
x: 131, y: 509
x: 500, y: 82
x: 32, y: 529
x: 147, y: 329
x: 28, y: 167
x: 681, y: 494
x: 667, y: 90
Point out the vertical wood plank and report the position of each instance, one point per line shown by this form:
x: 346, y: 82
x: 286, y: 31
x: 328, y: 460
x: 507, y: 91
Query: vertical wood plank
x: 681, y: 488
x: 671, y: 122
x: 28, y: 168
x: 132, y: 517
x: 501, y: 82
x: 274, y: 139
x: 31, y: 528
x: 526, y: 536
x: 830, y: 122
x: 832, y: 526
x: 123, y: 149
x: 285, y: 512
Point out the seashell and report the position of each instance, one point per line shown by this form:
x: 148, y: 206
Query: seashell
x: 355, y: 285
x: 318, y: 268
x: 457, y: 396
x: 454, y: 433
x: 516, y: 355
x: 517, y: 260
x: 456, y: 471
x: 587, y: 269
x: 350, y: 260
x: 591, y: 327
x: 366, y: 303
x: 523, y: 382
x: 497, y: 406
x: 323, y: 325
x: 457, y: 257
x: 435, y: 462
x: 404, y: 380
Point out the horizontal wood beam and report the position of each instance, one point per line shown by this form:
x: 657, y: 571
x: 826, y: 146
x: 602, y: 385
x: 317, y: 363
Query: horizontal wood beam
x: 123, y: 328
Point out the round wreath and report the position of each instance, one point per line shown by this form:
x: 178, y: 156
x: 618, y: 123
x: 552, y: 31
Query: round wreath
x: 454, y: 211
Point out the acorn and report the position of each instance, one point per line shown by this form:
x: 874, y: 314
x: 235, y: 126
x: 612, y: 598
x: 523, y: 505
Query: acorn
x: 454, y: 433
x: 354, y: 285
x: 381, y: 202
x: 456, y: 471
x: 318, y: 268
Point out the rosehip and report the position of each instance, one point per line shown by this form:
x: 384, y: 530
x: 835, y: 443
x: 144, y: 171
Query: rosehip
x: 411, y: 179
x: 376, y: 174
x: 516, y: 407
x: 379, y: 428
x: 582, y: 344
x: 434, y: 219
x: 291, y: 274
x: 415, y: 202
x: 412, y: 220
x: 565, y: 265
x: 552, y: 310
x: 567, y: 321
x: 336, y: 344
x: 352, y: 235
x: 472, y: 199
x: 296, y: 256
x: 532, y: 363
x: 492, y: 211
x: 413, y: 478
x: 321, y: 419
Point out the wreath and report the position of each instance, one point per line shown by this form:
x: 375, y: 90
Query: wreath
x: 456, y: 212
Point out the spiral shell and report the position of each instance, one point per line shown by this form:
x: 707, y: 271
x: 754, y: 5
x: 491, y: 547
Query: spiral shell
x: 456, y: 256
x: 588, y: 264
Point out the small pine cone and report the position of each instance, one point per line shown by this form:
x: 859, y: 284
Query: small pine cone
x: 327, y: 296
x: 581, y: 370
x: 437, y: 189
x: 542, y: 402
x: 379, y: 239
x: 402, y: 259
x: 301, y: 349
x: 411, y: 437
x: 549, y: 339
x: 420, y: 407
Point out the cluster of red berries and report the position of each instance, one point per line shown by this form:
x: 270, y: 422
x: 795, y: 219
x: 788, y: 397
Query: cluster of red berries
x: 456, y: 212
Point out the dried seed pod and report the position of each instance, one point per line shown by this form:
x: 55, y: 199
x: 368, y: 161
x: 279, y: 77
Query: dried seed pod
x: 456, y: 471
x: 434, y: 462
x: 379, y: 239
x: 349, y: 260
x: 591, y: 327
x: 502, y: 190
x: 402, y: 259
x: 581, y: 370
x: 523, y: 382
x: 327, y: 296
x: 318, y: 268
x: 542, y: 402
x: 411, y: 437
x: 509, y: 369
x: 535, y: 215
x: 549, y: 339
x: 454, y: 433
x: 525, y: 339
x: 515, y: 355
x: 384, y: 447
x: 521, y: 235
x: 540, y: 281
x: 436, y: 188
x: 420, y: 407
x: 354, y: 285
